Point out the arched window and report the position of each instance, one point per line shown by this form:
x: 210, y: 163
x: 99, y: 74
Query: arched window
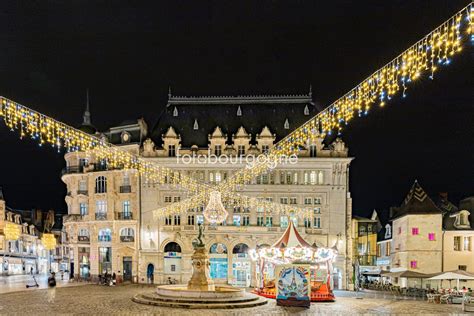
x: 240, y: 248
x: 127, y: 234
x: 105, y: 234
x: 218, y: 248
x: 172, y: 247
x: 101, y: 185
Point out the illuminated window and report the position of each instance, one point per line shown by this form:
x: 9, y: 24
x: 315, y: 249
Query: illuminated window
x: 467, y: 243
x: 200, y: 219
x: 312, y: 177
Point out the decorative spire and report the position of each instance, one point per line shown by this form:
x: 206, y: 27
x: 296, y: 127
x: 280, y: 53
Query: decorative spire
x: 169, y: 92
x: 306, y: 110
x: 310, y: 91
x: 175, y: 111
x: 1, y: 194
x: 196, y: 125
x: 287, y: 124
x: 239, y: 111
x: 86, y: 118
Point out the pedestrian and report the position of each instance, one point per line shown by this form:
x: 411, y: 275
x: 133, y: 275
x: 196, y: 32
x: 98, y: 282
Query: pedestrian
x: 114, y: 279
x: 31, y: 270
x: 62, y: 275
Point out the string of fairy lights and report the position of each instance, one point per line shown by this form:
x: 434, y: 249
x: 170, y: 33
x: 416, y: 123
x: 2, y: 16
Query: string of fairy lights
x: 48, y: 131
x: 426, y: 56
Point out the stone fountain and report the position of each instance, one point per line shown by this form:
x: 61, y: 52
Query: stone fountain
x: 200, y: 292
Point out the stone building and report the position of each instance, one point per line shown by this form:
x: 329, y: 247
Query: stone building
x: 364, y: 244
x: 206, y: 126
x: 234, y: 127
x: 417, y: 235
x: 103, y: 206
x: 25, y: 254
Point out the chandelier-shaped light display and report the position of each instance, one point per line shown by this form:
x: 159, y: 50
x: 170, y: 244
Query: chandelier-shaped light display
x: 215, y: 211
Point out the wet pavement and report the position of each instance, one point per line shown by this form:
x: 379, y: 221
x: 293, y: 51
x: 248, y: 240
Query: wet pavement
x: 14, y: 283
x: 95, y: 299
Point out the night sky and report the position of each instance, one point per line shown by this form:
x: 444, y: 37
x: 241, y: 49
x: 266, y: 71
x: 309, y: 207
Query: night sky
x: 128, y: 55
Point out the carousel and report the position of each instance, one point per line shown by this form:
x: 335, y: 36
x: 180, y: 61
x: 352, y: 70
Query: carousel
x: 292, y: 249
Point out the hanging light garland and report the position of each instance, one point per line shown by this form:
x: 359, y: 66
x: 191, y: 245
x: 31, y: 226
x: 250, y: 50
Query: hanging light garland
x: 425, y: 57
x: 48, y: 131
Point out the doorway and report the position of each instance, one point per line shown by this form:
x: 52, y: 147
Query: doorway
x: 127, y: 269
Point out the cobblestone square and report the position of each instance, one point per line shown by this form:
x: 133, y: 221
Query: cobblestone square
x: 94, y: 300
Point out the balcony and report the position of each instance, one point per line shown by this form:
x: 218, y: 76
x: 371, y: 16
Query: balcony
x: 83, y: 239
x: 367, y: 260
x: 101, y: 216
x: 83, y: 192
x: 72, y: 218
x: 127, y: 238
x: 125, y: 189
x: 72, y: 170
x: 124, y: 216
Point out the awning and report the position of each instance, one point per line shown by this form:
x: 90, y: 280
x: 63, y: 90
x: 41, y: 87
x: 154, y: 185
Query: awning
x: 453, y: 275
x: 408, y: 274
x: 371, y: 273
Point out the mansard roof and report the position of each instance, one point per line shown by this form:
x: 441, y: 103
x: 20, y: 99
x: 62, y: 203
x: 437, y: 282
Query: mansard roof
x: 212, y: 111
x: 416, y: 202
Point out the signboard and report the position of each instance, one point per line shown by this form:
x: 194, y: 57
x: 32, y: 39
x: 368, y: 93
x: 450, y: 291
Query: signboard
x: 293, y: 287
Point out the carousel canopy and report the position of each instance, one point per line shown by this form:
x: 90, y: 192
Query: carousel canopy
x: 291, y: 238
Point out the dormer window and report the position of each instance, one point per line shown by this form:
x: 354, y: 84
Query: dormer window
x: 306, y: 110
x: 196, y: 125
x: 239, y: 111
x: 388, y: 231
x: 171, y: 151
x: 287, y: 124
x: 218, y: 150
x: 175, y: 112
x: 462, y: 219
x: 125, y: 137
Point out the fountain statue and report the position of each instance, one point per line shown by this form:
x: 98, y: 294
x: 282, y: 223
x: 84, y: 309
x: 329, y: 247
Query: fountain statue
x: 200, y: 292
x: 201, y: 279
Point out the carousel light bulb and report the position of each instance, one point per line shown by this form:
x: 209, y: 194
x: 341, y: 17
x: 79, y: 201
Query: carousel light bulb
x: 215, y: 211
